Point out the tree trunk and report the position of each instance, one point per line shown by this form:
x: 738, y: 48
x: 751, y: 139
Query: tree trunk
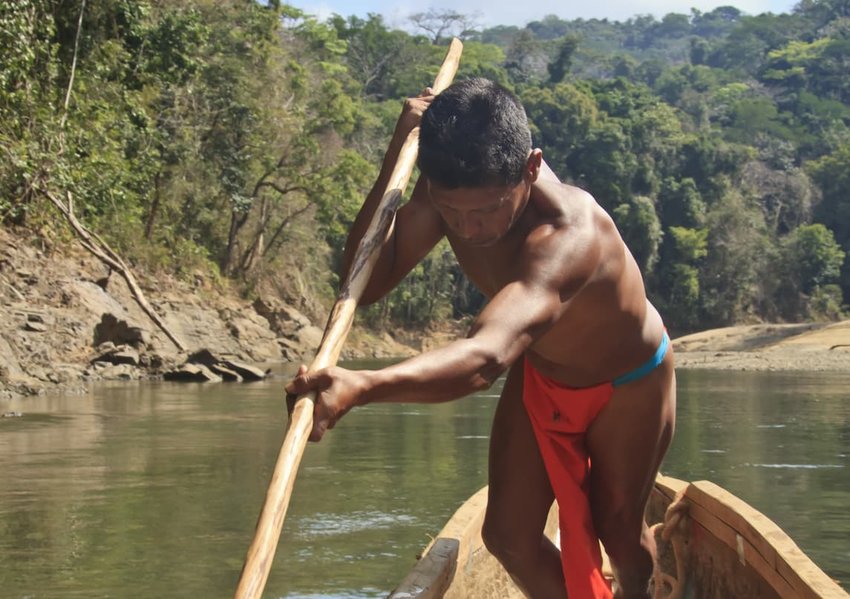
x: 154, y: 207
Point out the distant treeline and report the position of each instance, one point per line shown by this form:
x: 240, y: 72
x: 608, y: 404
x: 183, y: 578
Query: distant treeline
x: 238, y: 139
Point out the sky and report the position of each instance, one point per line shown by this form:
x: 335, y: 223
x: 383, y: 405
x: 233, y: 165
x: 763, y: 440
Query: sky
x: 516, y: 12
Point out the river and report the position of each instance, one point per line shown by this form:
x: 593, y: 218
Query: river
x: 153, y: 489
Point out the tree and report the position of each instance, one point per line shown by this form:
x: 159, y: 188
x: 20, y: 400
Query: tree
x: 526, y: 59
x: 735, y: 271
x: 786, y: 195
x: 561, y: 117
x: 375, y: 55
x: 816, y: 257
x: 680, y: 203
x: 442, y: 24
x: 678, y: 290
x: 560, y: 64
x: 641, y: 229
x: 832, y: 174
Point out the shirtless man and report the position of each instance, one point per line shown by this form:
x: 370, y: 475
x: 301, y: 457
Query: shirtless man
x: 588, y: 407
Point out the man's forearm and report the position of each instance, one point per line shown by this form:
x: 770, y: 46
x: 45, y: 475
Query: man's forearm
x: 451, y: 372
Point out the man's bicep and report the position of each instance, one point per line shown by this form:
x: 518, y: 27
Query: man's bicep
x: 526, y: 308
x: 416, y: 230
x: 516, y: 316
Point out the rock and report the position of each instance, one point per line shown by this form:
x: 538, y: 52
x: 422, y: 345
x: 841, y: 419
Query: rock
x: 119, y: 372
x: 36, y: 317
x: 203, y: 356
x: 10, y: 368
x: 35, y: 327
x: 284, y: 320
x: 111, y: 328
x: 192, y: 373
x: 105, y: 347
x: 123, y: 354
x: 226, y: 373
x: 310, y: 336
x: 28, y: 277
x: 249, y: 373
x: 290, y: 349
x: 64, y: 374
x: 254, y: 336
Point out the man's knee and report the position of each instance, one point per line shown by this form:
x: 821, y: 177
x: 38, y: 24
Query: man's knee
x: 512, y: 547
x: 622, y: 530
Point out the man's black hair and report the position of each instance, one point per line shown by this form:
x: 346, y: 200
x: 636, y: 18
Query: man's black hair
x: 474, y: 134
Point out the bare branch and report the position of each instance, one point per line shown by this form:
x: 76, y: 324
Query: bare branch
x: 285, y: 223
x: 73, y: 63
x: 101, y: 250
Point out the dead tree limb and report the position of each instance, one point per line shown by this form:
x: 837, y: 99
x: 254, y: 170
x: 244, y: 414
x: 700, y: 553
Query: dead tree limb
x: 73, y: 62
x: 101, y: 250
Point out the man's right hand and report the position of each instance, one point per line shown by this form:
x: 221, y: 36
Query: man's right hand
x: 412, y: 111
x: 337, y: 391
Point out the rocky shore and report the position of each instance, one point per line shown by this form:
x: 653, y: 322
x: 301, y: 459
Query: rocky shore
x: 66, y: 322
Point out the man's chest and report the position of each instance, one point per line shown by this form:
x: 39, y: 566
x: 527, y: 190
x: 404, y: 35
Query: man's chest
x: 489, y: 268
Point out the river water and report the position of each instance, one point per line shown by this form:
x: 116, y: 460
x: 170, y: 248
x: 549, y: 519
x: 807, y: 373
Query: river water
x: 153, y: 489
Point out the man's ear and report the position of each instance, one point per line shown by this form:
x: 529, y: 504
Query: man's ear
x: 533, y: 165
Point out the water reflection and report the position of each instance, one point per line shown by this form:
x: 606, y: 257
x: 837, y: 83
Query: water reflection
x: 143, y: 490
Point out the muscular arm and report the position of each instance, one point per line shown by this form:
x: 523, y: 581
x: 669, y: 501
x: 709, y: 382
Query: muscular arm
x: 555, y: 266
x: 498, y: 337
x: 416, y: 227
x: 415, y: 230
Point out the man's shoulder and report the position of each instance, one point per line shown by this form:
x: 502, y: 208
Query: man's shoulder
x: 558, y: 192
x: 564, y: 204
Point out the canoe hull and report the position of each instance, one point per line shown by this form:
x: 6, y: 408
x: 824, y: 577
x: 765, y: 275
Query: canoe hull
x: 711, y: 545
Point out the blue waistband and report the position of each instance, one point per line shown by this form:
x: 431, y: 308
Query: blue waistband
x: 648, y: 366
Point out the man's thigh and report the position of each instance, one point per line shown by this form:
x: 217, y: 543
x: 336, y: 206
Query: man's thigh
x: 520, y: 494
x: 627, y: 443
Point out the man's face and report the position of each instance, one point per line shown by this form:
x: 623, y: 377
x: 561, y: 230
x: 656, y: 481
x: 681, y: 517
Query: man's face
x: 480, y: 216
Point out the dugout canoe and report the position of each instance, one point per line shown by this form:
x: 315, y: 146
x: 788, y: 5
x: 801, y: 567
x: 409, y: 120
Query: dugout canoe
x: 711, y: 545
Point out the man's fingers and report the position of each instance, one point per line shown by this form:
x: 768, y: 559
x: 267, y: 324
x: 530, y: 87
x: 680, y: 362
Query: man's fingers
x: 322, y: 421
x: 318, y: 431
x: 305, y: 381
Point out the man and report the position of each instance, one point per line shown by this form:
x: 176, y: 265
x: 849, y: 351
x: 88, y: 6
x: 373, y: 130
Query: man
x: 588, y: 407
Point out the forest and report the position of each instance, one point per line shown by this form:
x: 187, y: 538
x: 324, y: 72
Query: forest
x: 236, y: 140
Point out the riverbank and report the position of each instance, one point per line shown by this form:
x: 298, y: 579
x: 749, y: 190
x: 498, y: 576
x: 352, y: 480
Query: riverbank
x: 66, y: 322
x: 768, y: 347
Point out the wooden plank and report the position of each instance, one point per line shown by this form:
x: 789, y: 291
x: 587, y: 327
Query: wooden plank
x: 669, y: 486
x: 763, y: 537
x: 433, y: 573
x: 740, y: 554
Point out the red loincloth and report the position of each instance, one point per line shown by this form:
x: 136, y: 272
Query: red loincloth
x: 561, y: 416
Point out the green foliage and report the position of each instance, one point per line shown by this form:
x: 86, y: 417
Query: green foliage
x: 832, y: 173
x: 641, y: 229
x: 814, y: 256
x: 238, y: 138
x: 736, y: 267
x: 561, y: 117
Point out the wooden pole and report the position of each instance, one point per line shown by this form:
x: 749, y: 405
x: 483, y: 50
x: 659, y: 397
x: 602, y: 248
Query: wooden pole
x: 258, y: 562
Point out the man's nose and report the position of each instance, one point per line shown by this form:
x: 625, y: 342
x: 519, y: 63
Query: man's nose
x: 468, y: 227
